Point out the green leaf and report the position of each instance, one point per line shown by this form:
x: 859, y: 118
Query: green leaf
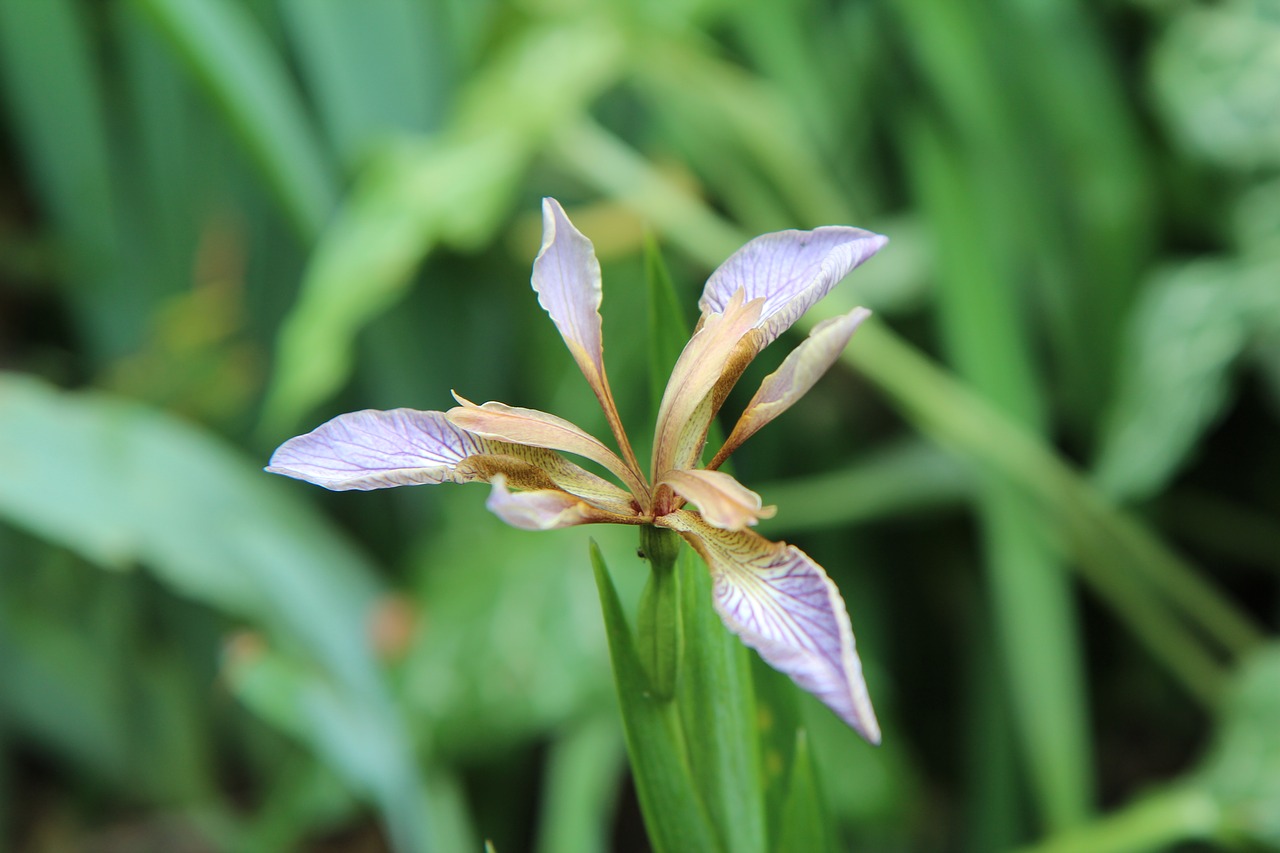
x: 59, y: 119
x: 347, y: 733
x: 668, y: 326
x: 247, y: 80
x: 375, y: 67
x: 123, y: 485
x: 1214, y: 73
x: 805, y: 824
x: 1186, y: 335
x: 581, y: 787
x: 1242, y: 771
x: 414, y: 195
x: 718, y: 709
x: 674, y: 813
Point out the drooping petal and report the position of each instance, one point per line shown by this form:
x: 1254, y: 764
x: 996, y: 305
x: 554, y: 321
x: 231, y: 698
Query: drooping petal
x: 540, y: 429
x: 790, y: 271
x: 782, y: 604
x: 803, y: 367
x: 722, y: 500
x: 373, y: 449
x: 686, y: 409
x: 566, y: 277
x: 546, y: 509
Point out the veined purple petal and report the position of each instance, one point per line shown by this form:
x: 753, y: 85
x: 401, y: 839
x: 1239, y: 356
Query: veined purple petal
x: 790, y: 271
x: 782, y: 604
x: 566, y: 277
x: 374, y: 449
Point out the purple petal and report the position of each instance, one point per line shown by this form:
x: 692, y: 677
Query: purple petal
x: 782, y: 604
x: 374, y: 449
x: 790, y: 270
x: 566, y: 277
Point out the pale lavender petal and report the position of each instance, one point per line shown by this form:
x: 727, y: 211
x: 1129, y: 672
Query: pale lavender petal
x: 790, y: 270
x: 545, y: 509
x: 782, y: 604
x: 374, y: 449
x: 803, y: 367
x: 566, y: 277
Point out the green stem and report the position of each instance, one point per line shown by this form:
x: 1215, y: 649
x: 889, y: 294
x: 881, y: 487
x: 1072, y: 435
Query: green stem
x: 659, y: 634
x: 1156, y: 822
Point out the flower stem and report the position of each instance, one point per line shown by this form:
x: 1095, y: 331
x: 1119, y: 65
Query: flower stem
x: 659, y: 631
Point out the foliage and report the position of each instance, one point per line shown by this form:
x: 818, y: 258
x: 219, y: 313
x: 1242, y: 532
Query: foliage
x: 1049, y: 496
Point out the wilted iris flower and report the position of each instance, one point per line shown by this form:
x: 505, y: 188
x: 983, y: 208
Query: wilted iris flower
x: 771, y: 595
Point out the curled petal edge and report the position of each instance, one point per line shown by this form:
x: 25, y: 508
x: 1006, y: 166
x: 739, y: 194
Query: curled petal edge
x: 723, y: 501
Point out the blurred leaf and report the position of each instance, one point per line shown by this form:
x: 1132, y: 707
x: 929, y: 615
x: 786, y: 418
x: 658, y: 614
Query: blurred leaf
x: 1186, y: 335
x: 510, y: 647
x: 1242, y: 771
x: 668, y: 328
x: 674, y: 813
x: 582, y: 781
x: 122, y: 485
x: 415, y: 195
x: 375, y: 67
x: 904, y: 477
x: 805, y: 824
x: 980, y: 305
x: 718, y: 710
x: 1214, y: 73
x: 59, y: 119
x: 247, y: 80
x: 350, y: 735
x: 1256, y: 220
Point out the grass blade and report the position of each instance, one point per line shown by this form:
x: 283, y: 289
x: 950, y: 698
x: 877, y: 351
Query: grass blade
x: 673, y: 809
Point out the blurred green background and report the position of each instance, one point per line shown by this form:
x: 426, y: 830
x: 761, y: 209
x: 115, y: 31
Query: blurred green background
x: 1050, y: 495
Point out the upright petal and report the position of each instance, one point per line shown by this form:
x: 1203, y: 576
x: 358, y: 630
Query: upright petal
x: 782, y: 604
x: 790, y: 271
x: 722, y: 500
x: 802, y: 368
x: 374, y: 449
x: 566, y: 277
x: 540, y: 429
x: 687, y: 405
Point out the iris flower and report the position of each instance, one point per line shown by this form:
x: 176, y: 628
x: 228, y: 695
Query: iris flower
x: 772, y: 595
